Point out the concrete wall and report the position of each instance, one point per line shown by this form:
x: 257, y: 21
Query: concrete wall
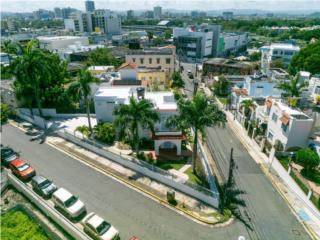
x: 51, y: 112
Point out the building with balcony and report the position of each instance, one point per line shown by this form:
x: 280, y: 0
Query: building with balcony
x: 283, y: 51
x: 107, y: 98
x: 286, y: 125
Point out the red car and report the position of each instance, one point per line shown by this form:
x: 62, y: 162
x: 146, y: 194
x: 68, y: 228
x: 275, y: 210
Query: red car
x: 22, y: 169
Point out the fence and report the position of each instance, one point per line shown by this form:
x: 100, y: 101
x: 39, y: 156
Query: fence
x: 44, y: 206
x: 158, y: 174
x: 50, y: 112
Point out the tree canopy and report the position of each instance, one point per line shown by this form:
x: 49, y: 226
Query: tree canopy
x: 308, y: 59
x: 102, y: 56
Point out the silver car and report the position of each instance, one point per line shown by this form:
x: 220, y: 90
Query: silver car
x: 43, y: 186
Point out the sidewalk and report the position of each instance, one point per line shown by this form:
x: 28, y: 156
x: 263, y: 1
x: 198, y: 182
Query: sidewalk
x: 186, y: 205
x: 307, y: 213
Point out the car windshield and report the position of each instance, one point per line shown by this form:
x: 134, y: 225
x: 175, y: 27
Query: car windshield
x: 7, y: 152
x: 23, y: 167
x: 103, y: 227
x: 45, y: 184
x: 70, y: 201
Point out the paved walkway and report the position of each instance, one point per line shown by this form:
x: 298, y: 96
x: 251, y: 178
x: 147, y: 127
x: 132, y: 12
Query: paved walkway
x: 296, y: 198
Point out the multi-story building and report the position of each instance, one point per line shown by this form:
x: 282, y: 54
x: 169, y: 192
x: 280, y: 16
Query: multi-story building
x: 286, y: 125
x: 107, y: 98
x: 163, y: 57
x: 55, y: 43
x: 79, y: 22
x: 193, y: 44
x: 130, y: 14
x: 89, y: 6
x: 283, y: 51
x: 149, y: 14
x: 227, y: 15
x: 57, y: 12
x: 157, y: 12
x: 232, y: 43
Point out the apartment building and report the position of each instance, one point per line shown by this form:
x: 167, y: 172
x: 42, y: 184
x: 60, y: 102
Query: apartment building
x: 283, y: 51
x: 163, y: 57
x: 232, y: 43
x: 107, y: 98
x: 286, y: 125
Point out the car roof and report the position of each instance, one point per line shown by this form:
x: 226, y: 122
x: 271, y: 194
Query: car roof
x: 17, y: 162
x: 62, y: 194
x: 95, y: 221
x: 38, y: 179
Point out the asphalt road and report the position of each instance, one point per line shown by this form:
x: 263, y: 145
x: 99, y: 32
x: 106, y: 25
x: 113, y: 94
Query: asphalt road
x: 266, y: 212
x: 129, y: 211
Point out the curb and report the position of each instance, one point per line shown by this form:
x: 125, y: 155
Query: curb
x: 150, y: 194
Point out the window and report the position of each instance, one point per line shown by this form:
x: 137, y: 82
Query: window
x: 158, y: 60
x: 168, y: 60
x: 150, y: 60
x: 270, y: 136
x: 141, y: 60
x: 133, y: 60
x: 284, y: 127
x: 274, y: 117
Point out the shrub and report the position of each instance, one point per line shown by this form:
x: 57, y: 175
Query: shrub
x: 308, y: 159
x: 105, y: 132
x: 84, y: 130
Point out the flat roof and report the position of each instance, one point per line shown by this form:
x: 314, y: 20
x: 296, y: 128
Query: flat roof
x: 51, y: 38
x: 292, y: 112
x: 164, y: 100
x: 285, y: 46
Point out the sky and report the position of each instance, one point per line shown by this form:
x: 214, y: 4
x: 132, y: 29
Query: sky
x: 268, y: 5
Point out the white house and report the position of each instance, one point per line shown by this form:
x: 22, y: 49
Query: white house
x: 289, y: 126
x: 55, y: 43
x: 106, y: 98
x: 284, y: 51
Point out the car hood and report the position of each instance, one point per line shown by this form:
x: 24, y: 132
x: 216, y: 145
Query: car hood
x: 110, y: 234
x: 78, y: 205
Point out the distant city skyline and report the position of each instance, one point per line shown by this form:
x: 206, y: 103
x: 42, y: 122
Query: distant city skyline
x: 187, y: 5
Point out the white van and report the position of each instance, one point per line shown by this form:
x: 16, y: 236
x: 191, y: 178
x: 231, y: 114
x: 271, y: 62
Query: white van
x: 68, y: 203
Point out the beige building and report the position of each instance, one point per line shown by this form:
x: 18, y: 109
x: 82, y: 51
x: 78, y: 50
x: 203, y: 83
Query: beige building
x: 153, y: 76
x: 163, y: 57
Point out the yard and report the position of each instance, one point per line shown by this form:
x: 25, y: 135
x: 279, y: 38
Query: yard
x: 17, y: 224
x: 171, y: 164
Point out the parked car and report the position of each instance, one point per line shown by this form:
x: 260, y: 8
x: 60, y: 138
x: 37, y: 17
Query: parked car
x: 8, y: 155
x: 99, y: 229
x: 68, y: 203
x: 190, y: 75
x: 22, y: 169
x: 43, y: 186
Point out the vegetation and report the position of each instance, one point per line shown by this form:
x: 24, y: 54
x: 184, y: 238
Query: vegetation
x: 248, y: 106
x: 256, y: 56
x: 308, y: 59
x: 101, y: 57
x: 277, y: 63
x: 167, y: 33
x: 293, y: 88
x: 81, y: 90
x: 5, y: 112
x: 198, y: 113
x: 16, y: 224
x: 309, y: 159
x: 177, y: 81
x: 105, y: 132
x: 83, y: 129
x: 196, y: 179
x: 138, y: 114
x: 40, y: 77
x: 221, y: 87
x: 171, y: 164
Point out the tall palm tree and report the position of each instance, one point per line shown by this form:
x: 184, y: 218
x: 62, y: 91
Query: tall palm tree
x: 248, y: 106
x: 293, y: 88
x: 80, y: 89
x: 198, y: 113
x: 31, y: 71
x: 138, y: 114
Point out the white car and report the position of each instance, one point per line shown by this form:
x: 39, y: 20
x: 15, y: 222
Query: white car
x: 68, y: 203
x: 97, y: 228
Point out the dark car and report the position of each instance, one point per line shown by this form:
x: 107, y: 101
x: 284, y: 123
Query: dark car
x: 43, y: 186
x: 190, y: 75
x: 8, y: 155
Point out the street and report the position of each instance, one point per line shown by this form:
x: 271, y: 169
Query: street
x: 266, y: 211
x: 129, y: 211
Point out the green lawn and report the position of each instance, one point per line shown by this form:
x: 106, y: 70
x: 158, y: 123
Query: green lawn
x: 171, y: 164
x: 195, y: 179
x: 284, y: 160
x: 223, y: 100
x: 16, y: 224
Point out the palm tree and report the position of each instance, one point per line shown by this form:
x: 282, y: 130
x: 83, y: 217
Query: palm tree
x: 30, y: 71
x: 293, y: 88
x: 80, y: 89
x: 198, y: 113
x: 84, y: 130
x: 248, y: 106
x: 134, y: 116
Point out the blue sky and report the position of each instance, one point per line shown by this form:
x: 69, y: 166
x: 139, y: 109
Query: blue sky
x: 270, y: 5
